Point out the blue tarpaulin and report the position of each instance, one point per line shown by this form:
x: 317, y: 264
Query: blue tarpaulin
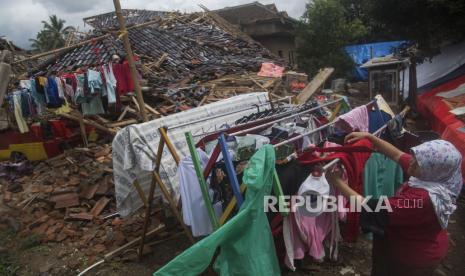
x: 361, y: 53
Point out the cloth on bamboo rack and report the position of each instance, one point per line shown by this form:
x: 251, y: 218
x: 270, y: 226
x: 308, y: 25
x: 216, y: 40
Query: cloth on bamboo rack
x: 353, y: 157
x: 135, y: 146
x: 377, y: 118
x: 354, y: 120
x: 245, y: 241
x: 381, y: 176
x: 194, y: 211
x: 304, y: 231
x: 23, y: 105
x: 51, y: 92
x: 110, y: 82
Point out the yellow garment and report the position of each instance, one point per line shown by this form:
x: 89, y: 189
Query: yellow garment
x: 64, y: 108
x: 42, y: 81
x: 22, y: 125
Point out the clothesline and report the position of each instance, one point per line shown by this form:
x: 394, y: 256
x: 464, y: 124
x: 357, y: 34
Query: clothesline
x: 376, y: 133
x: 283, y: 119
x: 225, y: 114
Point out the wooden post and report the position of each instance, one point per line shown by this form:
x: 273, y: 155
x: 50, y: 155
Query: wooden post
x: 148, y: 208
x: 130, y: 57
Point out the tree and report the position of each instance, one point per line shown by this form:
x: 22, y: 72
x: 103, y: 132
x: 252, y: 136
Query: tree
x: 426, y: 23
x: 53, y: 35
x: 326, y: 27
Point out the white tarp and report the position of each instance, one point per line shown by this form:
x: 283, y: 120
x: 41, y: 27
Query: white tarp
x: 135, y: 146
x: 451, y: 58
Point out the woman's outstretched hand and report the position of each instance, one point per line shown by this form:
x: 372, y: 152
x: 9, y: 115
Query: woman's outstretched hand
x: 355, y: 136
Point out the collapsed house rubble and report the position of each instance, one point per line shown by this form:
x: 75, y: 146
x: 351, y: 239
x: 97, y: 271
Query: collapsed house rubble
x: 184, y: 61
x: 69, y: 199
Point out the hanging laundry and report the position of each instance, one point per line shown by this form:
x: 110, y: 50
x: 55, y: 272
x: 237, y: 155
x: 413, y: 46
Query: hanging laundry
x: 127, y: 75
x: 291, y: 175
x: 377, y: 118
x: 51, y: 89
x: 95, y: 82
x: 303, y: 234
x: 381, y: 176
x: 38, y: 98
x: 22, y: 125
x: 194, y: 211
x: 93, y: 107
x: 353, y: 157
x: 41, y: 83
x: 122, y: 86
x: 70, y: 79
x: 304, y: 231
x: 69, y: 91
x: 60, y: 87
x: 354, y: 120
x: 246, y: 243
x: 110, y: 83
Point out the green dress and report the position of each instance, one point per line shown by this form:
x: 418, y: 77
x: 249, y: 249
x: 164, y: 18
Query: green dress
x: 245, y: 242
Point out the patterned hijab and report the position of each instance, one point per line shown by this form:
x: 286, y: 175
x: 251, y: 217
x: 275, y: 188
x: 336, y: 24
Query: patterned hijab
x: 440, y: 175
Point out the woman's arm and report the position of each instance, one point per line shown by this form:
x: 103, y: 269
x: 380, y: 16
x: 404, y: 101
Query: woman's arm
x: 334, y: 178
x: 381, y: 145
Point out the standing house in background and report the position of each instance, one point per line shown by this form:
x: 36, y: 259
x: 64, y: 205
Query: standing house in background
x: 272, y: 28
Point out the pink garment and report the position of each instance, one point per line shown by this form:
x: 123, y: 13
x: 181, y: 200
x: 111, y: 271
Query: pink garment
x: 354, y: 120
x: 271, y: 70
x: 305, y: 234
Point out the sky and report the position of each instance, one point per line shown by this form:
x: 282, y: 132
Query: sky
x: 21, y: 19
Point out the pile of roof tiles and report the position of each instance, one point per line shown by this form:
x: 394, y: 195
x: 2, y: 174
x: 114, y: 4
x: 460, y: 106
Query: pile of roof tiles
x: 196, y: 49
x: 132, y: 17
x: 69, y: 199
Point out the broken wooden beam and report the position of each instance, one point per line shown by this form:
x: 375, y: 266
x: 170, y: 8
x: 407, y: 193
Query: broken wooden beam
x: 123, y: 123
x: 315, y: 85
x: 89, y: 122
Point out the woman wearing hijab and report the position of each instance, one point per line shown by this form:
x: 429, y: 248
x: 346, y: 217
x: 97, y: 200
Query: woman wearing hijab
x: 412, y: 238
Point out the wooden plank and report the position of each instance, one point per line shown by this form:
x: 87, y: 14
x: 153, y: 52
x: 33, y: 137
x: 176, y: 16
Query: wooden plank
x: 123, y: 123
x: 314, y: 85
x: 123, y: 114
x: 204, y: 99
x: 152, y: 110
x: 89, y: 122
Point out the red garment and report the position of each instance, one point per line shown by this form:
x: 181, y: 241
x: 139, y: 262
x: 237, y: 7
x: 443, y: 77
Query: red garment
x: 353, y: 157
x: 124, y: 81
x: 121, y: 83
x: 414, y: 235
x: 72, y: 79
x: 127, y: 75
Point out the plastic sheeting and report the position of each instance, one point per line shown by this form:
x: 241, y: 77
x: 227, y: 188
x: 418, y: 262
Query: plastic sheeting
x: 361, y: 53
x: 135, y: 146
x: 451, y: 58
x: 247, y: 247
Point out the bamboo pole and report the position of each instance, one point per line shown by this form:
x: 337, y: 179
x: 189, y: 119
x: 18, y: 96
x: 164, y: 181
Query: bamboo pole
x: 130, y: 58
x: 203, y: 185
x: 89, y: 122
x: 82, y: 43
x: 57, y: 51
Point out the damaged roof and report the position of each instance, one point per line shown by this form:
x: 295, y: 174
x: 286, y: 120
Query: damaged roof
x: 107, y: 21
x: 197, y: 47
x: 254, y: 12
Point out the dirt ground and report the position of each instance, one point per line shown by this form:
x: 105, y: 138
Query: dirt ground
x: 28, y: 256
x: 24, y: 256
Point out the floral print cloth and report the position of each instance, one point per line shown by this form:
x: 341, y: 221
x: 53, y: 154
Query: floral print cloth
x: 440, y: 175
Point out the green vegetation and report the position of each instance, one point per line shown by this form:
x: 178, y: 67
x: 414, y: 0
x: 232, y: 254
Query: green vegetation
x: 53, y: 35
